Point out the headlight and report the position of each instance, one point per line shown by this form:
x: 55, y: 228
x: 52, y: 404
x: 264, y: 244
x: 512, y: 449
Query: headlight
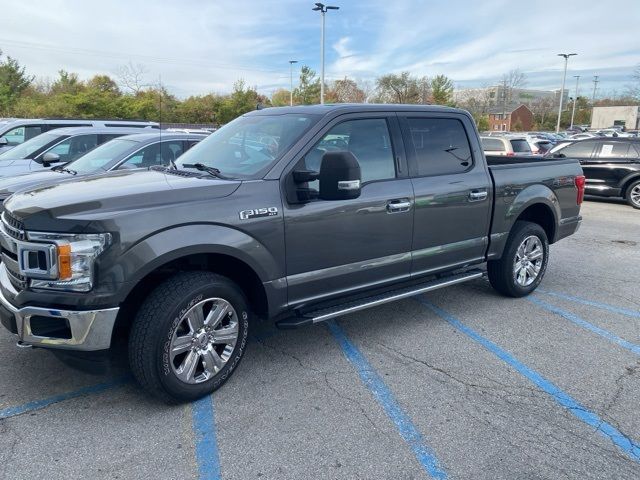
x: 61, y: 261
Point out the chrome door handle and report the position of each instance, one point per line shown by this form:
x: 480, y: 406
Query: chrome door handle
x: 477, y: 195
x: 396, y: 206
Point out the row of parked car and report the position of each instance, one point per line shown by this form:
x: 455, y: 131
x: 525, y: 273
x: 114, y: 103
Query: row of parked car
x: 611, y: 163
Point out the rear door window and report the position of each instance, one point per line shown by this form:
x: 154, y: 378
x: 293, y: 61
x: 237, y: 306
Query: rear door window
x: 440, y: 146
x: 492, y: 145
x: 520, y: 146
x: 612, y: 150
x: 21, y: 134
x: 581, y: 149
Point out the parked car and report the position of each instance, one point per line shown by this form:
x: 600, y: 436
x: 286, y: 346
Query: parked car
x: 186, y: 259
x: 140, y: 150
x: 508, y: 146
x: 540, y: 146
x: 59, y: 146
x: 15, y: 131
x: 611, y: 166
x: 581, y: 136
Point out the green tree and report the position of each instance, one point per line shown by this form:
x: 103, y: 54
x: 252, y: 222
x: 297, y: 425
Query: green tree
x: 13, y: 82
x: 241, y: 100
x: 281, y: 97
x: 308, y: 90
x: 482, y: 121
x: 442, y: 90
x: 401, y: 88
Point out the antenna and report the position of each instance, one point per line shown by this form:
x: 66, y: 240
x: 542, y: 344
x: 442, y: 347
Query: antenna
x: 595, y: 86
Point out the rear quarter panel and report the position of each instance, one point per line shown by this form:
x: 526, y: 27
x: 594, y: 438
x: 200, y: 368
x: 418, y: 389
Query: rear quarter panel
x: 521, y: 185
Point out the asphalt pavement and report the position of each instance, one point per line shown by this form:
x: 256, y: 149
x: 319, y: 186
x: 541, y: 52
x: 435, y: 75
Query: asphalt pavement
x: 460, y: 383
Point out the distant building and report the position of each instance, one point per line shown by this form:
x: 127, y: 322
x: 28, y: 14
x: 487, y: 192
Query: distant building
x: 506, y: 118
x: 623, y: 116
x: 494, y: 95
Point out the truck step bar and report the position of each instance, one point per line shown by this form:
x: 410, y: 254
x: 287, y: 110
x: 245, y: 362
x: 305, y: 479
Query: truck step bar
x: 324, y: 314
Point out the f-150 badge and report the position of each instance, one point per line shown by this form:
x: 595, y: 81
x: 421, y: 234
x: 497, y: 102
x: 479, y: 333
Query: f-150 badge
x: 258, y: 212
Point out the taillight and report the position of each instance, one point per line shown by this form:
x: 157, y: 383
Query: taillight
x: 511, y: 154
x: 580, y: 182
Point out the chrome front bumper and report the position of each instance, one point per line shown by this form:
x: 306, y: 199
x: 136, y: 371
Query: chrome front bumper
x: 89, y: 329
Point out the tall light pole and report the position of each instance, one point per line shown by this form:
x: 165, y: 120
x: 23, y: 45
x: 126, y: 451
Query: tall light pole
x: 575, y: 99
x: 322, y: 8
x: 564, y: 79
x: 291, y: 62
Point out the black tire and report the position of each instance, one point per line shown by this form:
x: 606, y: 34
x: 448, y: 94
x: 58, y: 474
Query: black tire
x: 632, y: 195
x: 501, y: 272
x: 158, y: 319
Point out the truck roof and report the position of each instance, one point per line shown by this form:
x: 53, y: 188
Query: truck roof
x: 355, y: 108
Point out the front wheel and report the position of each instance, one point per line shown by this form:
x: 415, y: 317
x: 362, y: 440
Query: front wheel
x: 523, y: 262
x: 633, y: 195
x: 189, y: 336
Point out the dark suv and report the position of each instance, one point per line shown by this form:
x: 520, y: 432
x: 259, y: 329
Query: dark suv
x: 611, y: 165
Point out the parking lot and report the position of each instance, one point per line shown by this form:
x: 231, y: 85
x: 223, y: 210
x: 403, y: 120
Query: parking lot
x: 459, y: 383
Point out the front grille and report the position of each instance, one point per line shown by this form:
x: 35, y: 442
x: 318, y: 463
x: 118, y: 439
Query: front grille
x: 18, y: 281
x: 13, y: 226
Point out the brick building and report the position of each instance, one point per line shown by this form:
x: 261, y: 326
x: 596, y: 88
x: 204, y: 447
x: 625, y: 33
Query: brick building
x: 505, y: 119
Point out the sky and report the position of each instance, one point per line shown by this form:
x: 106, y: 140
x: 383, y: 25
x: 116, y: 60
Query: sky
x: 198, y: 46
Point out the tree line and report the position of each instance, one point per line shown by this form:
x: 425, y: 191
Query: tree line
x: 130, y: 96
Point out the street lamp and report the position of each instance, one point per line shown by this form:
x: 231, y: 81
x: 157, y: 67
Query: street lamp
x: 564, y: 78
x: 322, y: 8
x: 291, y: 62
x: 575, y: 99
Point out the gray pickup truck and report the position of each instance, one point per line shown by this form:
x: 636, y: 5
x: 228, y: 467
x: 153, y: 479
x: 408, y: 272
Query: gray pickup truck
x: 297, y: 215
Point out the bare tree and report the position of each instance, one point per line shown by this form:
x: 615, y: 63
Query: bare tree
x: 132, y: 77
x: 347, y: 91
x: 633, y: 90
x: 543, y: 107
x: 511, y: 80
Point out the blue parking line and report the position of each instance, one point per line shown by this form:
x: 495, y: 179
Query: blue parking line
x: 618, y: 438
x: 632, y: 347
x: 204, y: 427
x: 622, y: 311
x: 39, y: 404
x: 409, y: 433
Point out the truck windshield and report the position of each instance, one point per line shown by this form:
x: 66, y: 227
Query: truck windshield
x: 30, y: 148
x: 101, y: 156
x: 249, y: 145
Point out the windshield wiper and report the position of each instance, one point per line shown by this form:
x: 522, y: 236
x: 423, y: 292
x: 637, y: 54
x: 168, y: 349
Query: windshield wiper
x: 63, y: 169
x: 213, y: 171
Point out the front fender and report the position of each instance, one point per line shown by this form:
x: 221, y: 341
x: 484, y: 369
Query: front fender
x: 165, y: 246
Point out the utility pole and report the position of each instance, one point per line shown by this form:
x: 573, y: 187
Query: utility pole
x: 291, y: 62
x: 595, y: 86
x: 564, y: 79
x: 322, y: 8
x: 504, y: 103
x: 575, y: 99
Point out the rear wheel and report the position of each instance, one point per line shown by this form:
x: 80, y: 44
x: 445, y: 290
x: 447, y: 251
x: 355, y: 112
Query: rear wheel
x: 633, y: 194
x: 523, y: 262
x: 189, y: 336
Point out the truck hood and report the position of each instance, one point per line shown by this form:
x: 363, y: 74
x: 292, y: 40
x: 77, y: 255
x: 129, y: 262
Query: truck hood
x: 72, y: 205
x: 9, y: 185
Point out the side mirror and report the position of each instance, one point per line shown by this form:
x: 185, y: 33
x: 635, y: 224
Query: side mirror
x: 3, y: 142
x: 339, y: 176
x: 50, y: 157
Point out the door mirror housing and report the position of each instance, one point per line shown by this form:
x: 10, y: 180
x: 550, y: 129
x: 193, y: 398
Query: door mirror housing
x: 3, y: 142
x: 339, y: 176
x: 49, y: 158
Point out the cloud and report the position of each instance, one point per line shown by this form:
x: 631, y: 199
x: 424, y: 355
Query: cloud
x: 198, y: 47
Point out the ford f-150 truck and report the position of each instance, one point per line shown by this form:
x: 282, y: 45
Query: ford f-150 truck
x: 297, y: 215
